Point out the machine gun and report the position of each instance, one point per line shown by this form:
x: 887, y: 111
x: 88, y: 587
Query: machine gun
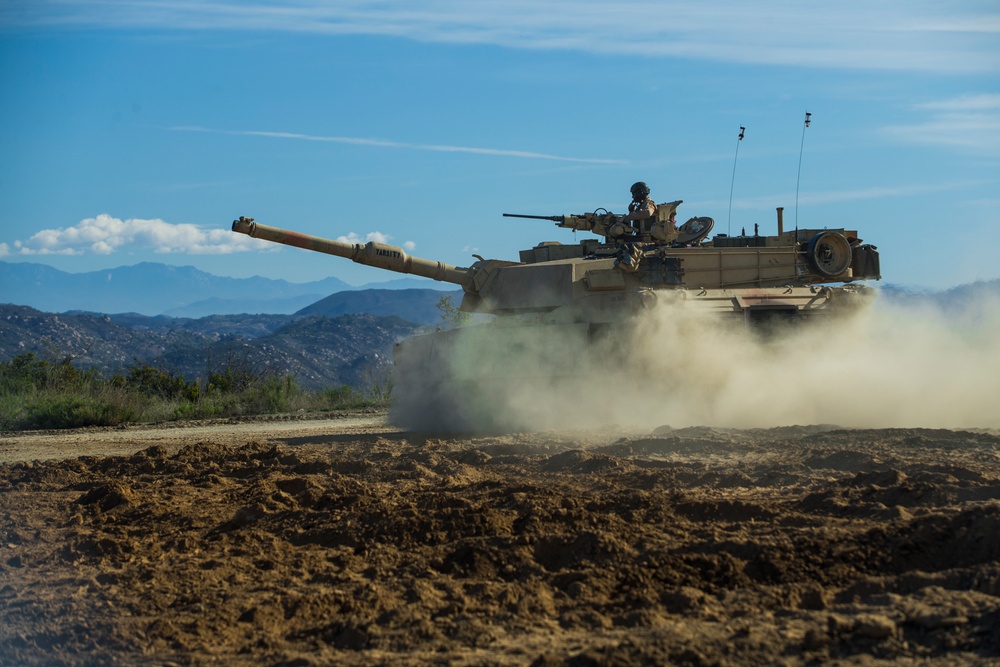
x: 553, y: 218
x: 601, y: 222
x: 615, y: 228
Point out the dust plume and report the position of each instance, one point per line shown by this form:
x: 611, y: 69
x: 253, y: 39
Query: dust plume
x: 890, y: 365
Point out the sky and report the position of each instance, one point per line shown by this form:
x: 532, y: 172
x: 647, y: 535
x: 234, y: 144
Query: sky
x: 136, y: 131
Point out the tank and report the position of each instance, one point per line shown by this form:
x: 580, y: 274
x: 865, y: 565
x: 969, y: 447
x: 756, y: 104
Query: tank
x: 565, y: 314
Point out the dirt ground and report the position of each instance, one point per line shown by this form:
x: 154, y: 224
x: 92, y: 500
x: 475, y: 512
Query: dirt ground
x: 349, y: 542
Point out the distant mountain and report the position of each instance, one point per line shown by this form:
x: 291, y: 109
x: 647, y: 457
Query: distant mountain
x: 215, y: 326
x: 410, y: 283
x: 418, y: 306
x: 319, y: 351
x: 220, y: 306
x: 150, y: 288
x: 413, y: 305
x: 955, y: 299
x: 92, y: 341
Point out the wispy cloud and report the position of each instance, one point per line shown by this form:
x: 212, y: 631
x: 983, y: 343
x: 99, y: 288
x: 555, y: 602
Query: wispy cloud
x: 105, y: 235
x: 919, y: 35
x: 383, y: 143
x: 970, y: 122
x: 840, y: 196
x: 861, y: 194
x: 978, y: 102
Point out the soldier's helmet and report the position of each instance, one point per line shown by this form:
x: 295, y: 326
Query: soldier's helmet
x: 639, y: 191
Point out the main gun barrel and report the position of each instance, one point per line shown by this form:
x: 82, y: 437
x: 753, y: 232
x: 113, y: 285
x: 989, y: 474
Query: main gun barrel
x: 379, y: 255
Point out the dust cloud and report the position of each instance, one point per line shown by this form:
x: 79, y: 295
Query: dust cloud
x: 886, y: 366
x: 889, y: 365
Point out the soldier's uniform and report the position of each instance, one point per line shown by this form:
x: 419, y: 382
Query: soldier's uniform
x: 641, y: 208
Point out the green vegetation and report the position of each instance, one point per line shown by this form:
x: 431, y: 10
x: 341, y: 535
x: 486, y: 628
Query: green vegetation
x: 37, y: 393
x: 451, y: 316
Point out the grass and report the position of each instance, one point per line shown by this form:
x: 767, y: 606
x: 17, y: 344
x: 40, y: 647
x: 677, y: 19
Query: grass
x: 40, y: 394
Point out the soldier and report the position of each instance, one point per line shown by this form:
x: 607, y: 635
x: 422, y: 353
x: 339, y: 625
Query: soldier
x: 642, y: 207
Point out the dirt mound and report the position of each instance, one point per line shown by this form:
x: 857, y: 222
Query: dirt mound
x: 695, y: 547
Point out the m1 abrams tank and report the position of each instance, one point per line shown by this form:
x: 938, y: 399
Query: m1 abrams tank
x: 564, y: 313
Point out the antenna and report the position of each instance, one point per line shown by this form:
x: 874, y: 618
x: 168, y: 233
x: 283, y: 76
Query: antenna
x: 731, y: 185
x: 799, y: 175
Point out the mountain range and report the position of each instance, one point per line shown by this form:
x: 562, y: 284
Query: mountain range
x: 327, y: 340
x: 151, y: 289
x: 325, y: 333
x: 319, y: 351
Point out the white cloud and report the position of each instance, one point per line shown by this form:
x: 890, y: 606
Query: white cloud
x: 105, y: 235
x: 383, y: 143
x: 920, y: 35
x: 374, y: 237
x: 969, y: 122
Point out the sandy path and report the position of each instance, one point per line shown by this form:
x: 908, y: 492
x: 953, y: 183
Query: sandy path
x: 46, y: 445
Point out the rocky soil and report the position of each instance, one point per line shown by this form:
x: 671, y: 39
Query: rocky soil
x: 345, y: 543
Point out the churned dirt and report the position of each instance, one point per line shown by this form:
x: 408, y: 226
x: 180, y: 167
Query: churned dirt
x: 348, y: 542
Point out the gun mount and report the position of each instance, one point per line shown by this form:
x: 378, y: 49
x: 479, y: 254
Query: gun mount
x: 660, y: 228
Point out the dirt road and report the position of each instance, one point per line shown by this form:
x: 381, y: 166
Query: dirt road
x: 350, y: 542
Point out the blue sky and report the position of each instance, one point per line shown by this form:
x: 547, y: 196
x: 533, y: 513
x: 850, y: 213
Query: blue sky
x: 136, y: 131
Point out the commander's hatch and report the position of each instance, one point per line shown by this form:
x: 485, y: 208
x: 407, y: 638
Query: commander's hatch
x: 694, y: 230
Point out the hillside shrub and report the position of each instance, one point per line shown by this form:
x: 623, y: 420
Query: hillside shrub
x: 51, y: 410
x: 153, y: 381
x: 41, y: 394
x: 236, y: 373
x: 376, y: 383
x: 338, y: 397
x: 273, y: 394
x: 27, y: 372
